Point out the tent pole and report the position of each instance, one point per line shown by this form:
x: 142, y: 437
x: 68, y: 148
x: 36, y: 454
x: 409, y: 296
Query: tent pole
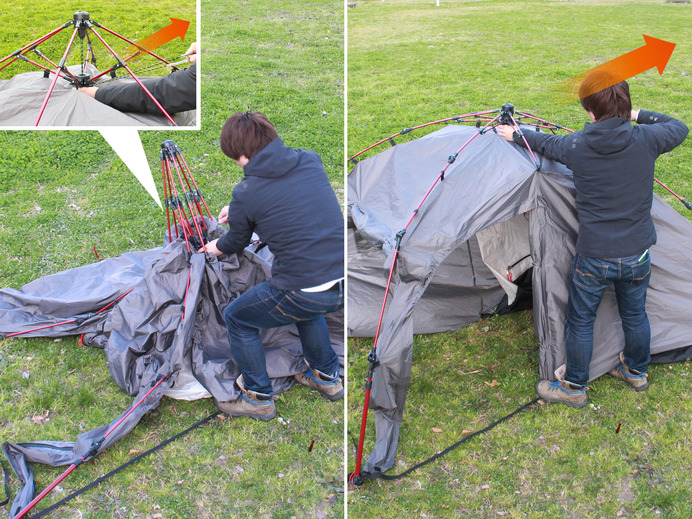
x: 356, y: 478
x: 168, y: 152
x: 93, y: 452
x: 55, y: 79
x: 176, y: 202
x: 199, y: 193
x: 471, y: 115
x: 35, y: 42
x: 122, y: 63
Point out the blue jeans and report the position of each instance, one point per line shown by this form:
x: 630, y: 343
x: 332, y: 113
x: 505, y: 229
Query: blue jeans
x: 264, y: 306
x: 589, y: 279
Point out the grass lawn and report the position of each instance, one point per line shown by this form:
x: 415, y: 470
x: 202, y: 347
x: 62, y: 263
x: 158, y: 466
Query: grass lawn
x: 62, y: 193
x: 410, y: 62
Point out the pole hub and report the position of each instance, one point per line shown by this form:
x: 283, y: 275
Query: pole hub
x: 82, y: 22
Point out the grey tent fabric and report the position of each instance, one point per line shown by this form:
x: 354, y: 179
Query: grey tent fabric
x: 440, y: 281
x: 21, y: 98
x: 145, y: 336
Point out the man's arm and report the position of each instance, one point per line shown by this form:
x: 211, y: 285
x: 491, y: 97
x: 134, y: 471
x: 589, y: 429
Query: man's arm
x: 664, y: 132
x: 177, y: 92
x: 550, y: 146
x: 240, y: 231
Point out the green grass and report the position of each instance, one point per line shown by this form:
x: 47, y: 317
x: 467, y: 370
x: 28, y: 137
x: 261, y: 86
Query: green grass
x: 62, y: 193
x: 410, y: 62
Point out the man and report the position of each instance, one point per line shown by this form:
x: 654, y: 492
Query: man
x: 285, y: 197
x: 176, y: 92
x: 613, y: 166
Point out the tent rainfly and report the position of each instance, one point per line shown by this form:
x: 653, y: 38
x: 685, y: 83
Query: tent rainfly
x: 497, y: 204
x: 158, y: 314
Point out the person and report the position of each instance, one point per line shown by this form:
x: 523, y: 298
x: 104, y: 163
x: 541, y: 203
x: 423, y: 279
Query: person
x: 613, y: 166
x: 286, y: 199
x: 176, y: 92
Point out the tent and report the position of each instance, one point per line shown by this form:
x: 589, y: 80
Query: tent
x: 494, y: 216
x: 158, y: 314
x: 21, y: 98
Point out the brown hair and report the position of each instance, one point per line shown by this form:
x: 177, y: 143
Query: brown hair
x: 604, y: 97
x: 246, y: 133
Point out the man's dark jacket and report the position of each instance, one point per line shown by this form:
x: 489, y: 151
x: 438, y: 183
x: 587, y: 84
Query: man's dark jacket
x: 285, y: 197
x: 177, y: 92
x: 613, y: 166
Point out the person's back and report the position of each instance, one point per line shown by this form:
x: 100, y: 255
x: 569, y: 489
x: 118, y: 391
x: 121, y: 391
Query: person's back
x: 613, y: 167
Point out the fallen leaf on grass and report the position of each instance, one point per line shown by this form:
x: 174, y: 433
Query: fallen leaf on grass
x: 436, y: 430
x: 466, y: 431
x: 40, y: 419
x: 134, y: 452
x: 485, y: 487
x: 75, y: 207
x: 491, y: 384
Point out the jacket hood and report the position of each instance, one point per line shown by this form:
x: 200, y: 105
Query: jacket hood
x: 609, y: 136
x: 274, y: 160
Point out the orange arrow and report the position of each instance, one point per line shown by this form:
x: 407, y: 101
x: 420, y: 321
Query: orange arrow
x: 655, y: 53
x: 176, y: 29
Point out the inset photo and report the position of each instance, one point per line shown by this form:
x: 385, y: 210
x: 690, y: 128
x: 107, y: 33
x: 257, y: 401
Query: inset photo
x: 118, y: 63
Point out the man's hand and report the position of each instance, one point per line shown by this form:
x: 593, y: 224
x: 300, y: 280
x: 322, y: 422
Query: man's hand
x: 211, y: 247
x: 506, y: 132
x: 223, y: 215
x: 634, y: 115
x: 191, y: 53
x: 90, y: 91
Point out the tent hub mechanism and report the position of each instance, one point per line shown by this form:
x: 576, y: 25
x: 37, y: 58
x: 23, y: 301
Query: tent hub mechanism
x: 506, y: 114
x: 82, y: 22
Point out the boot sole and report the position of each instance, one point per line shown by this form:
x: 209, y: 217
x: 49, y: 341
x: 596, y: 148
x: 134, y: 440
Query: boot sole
x: 262, y: 417
x: 576, y: 405
x: 636, y: 388
x: 331, y: 398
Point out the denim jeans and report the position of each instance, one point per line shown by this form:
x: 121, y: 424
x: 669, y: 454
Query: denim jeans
x: 589, y: 279
x: 264, y: 306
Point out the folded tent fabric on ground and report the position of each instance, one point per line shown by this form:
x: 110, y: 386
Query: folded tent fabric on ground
x: 151, y: 349
x: 494, y: 217
x: 21, y: 98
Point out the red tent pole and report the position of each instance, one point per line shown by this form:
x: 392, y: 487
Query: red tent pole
x: 72, y: 467
x: 122, y: 63
x: 190, y: 206
x: 199, y: 193
x: 35, y: 42
x: 142, y: 49
x: 55, y: 79
x: 355, y: 478
x: 471, y: 115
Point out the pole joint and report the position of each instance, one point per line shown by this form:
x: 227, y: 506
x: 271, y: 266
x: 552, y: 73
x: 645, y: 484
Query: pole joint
x: 400, y: 236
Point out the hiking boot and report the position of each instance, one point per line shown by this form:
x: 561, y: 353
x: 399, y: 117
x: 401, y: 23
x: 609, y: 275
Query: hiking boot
x: 635, y: 380
x: 563, y: 392
x: 330, y: 388
x: 250, y: 403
